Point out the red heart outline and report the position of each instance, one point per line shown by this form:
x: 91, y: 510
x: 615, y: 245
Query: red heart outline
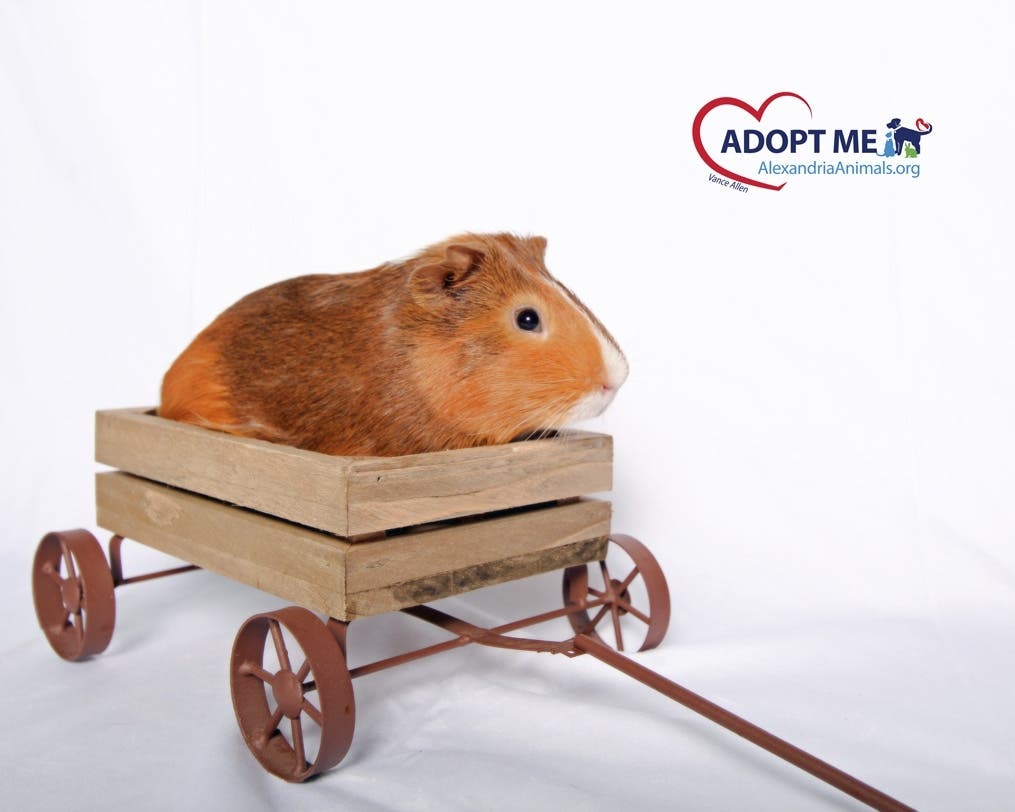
x: 708, y: 108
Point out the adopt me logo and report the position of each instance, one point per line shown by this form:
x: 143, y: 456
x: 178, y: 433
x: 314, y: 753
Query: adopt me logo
x: 766, y: 147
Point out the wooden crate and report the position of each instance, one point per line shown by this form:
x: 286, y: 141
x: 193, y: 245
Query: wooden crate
x: 352, y: 536
x: 353, y: 496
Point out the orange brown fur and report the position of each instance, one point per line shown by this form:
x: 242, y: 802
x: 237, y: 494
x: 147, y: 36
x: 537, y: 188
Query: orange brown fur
x: 407, y: 357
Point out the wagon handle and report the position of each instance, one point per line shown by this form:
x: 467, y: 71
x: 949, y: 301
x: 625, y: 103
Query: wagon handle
x: 754, y: 734
x: 587, y: 644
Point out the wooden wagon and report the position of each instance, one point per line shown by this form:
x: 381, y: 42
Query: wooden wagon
x: 350, y: 537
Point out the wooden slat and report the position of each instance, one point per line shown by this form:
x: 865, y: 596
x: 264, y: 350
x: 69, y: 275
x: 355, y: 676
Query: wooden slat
x: 408, y: 570
x: 290, y: 483
x: 342, y: 579
x: 402, y: 491
x: 353, y: 496
x: 285, y: 559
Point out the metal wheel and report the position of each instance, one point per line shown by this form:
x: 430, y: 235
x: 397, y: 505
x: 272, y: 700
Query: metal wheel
x: 639, y: 599
x: 287, y: 665
x: 72, y: 587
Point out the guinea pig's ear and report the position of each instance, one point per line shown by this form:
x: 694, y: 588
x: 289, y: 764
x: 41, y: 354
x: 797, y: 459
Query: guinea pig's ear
x: 465, y: 260
x: 458, y: 267
x: 538, y: 245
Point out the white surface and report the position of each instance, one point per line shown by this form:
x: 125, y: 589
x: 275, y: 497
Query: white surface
x: 815, y: 440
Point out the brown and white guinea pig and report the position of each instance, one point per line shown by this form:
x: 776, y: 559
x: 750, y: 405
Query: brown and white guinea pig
x: 470, y: 342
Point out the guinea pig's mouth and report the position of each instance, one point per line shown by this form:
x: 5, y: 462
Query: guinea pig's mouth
x: 598, y: 398
x: 592, y: 405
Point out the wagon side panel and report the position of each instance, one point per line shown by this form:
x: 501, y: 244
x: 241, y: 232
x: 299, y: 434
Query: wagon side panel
x: 287, y: 560
x: 416, y: 568
x: 291, y: 483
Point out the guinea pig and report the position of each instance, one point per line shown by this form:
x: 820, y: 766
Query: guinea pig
x: 469, y: 342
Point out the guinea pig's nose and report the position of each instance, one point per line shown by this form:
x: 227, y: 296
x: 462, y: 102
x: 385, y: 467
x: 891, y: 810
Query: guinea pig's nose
x: 616, y: 369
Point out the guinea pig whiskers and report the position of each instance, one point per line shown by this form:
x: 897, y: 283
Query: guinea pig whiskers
x: 524, y: 428
x: 555, y: 415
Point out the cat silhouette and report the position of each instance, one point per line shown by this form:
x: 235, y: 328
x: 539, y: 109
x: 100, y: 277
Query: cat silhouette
x: 904, y: 134
x: 889, y: 147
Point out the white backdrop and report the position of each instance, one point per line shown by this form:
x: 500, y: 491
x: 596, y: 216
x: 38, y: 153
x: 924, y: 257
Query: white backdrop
x: 815, y: 440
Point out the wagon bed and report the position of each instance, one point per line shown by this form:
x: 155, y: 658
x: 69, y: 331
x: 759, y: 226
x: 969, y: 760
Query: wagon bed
x: 353, y: 536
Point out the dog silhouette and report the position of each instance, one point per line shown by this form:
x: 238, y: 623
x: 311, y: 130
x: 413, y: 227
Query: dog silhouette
x: 904, y: 134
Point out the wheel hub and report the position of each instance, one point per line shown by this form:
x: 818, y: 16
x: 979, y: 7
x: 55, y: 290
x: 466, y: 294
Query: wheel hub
x: 616, y: 594
x: 288, y: 693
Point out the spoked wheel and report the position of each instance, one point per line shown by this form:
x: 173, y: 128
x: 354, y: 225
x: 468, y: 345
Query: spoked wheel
x: 72, y: 587
x: 286, y: 665
x: 639, y: 599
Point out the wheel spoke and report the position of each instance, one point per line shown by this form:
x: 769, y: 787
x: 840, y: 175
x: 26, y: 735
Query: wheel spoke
x: 53, y: 575
x: 626, y: 606
x: 280, y: 649
x: 313, y: 713
x: 250, y: 668
x: 591, y: 625
x: 62, y: 625
x: 301, y: 756
x: 627, y: 581
x: 616, y: 628
x: 274, y: 722
x: 304, y: 671
x: 68, y: 560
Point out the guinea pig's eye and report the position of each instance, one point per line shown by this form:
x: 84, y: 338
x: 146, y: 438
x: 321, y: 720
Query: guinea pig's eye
x: 527, y: 319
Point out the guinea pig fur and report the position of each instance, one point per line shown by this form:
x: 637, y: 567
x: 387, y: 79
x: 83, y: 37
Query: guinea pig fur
x: 469, y: 342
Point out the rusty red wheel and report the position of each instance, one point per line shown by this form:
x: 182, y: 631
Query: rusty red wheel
x: 72, y: 587
x: 639, y: 599
x: 286, y: 665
